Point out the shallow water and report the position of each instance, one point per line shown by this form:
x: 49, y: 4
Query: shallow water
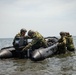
x: 57, y: 65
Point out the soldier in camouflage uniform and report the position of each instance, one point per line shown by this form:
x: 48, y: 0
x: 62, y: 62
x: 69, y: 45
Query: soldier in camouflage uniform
x: 21, y: 34
x: 37, y: 41
x: 62, y: 44
x: 69, y: 42
x: 19, y: 46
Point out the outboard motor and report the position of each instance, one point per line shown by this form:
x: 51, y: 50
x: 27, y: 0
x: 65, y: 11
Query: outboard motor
x: 43, y: 53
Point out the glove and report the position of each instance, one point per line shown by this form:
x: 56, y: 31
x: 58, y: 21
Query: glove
x: 24, y: 49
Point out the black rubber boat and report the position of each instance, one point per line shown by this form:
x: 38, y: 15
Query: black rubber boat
x: 39, y: 54
x: 43, y: 53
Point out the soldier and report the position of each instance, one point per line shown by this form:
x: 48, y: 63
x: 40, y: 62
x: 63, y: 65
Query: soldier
x: 19, y: 38
x: 37, y: 41
x: 69, y: 42
x: 62, y: 44
x: 19, y: 42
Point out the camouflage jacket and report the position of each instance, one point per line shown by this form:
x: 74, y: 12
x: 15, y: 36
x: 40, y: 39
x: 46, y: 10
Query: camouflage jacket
x: 69, y: 42
x: 37, y: 40
x: 62, y: 45
x: 62, y: 40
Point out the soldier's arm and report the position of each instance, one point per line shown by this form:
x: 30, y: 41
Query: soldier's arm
x: 29, y: 45
x: 14, y: 40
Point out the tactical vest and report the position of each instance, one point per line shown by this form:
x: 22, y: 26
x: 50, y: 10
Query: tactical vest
x: 20, y: 41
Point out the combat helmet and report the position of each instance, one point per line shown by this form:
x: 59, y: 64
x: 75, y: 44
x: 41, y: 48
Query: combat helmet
x: 67, y: 33
x: 30, y: 32
x: 62, y: 33
x: 23, y: 30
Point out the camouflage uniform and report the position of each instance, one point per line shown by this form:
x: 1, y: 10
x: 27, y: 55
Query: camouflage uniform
x: 69, y: 43
x: 37, y: 42
x: 21, y: 34
x: 62, y: 45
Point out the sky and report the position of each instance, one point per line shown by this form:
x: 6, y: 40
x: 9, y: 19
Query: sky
x: 49, y: 17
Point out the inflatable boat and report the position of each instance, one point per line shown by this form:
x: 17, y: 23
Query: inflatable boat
x: 36, y: 55
x: 43, y: 53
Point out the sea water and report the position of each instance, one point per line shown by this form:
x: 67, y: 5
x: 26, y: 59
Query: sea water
x: 57, y: 65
